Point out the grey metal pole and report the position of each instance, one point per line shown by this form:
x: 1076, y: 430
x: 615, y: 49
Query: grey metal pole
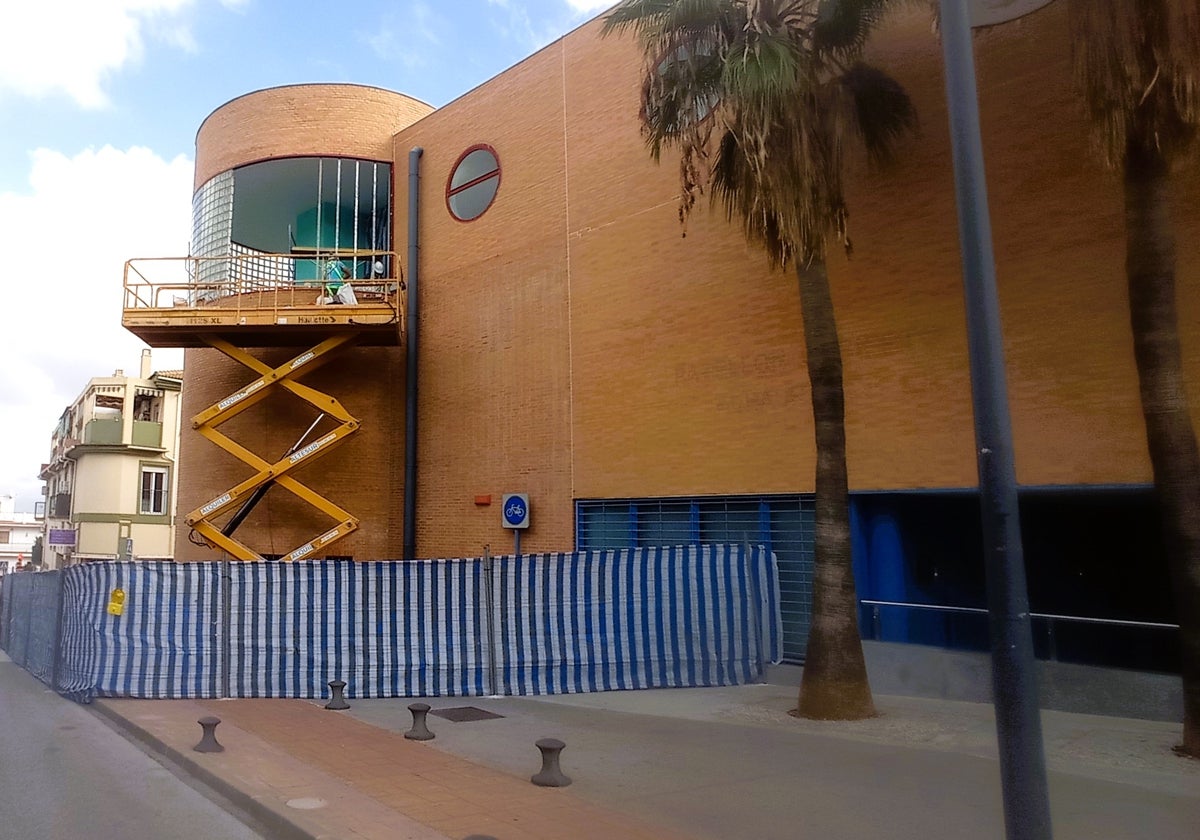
x: 413, y: 339
x: 1014, y: 686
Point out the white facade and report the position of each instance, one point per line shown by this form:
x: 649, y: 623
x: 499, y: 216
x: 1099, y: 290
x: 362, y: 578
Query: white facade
x: 18, y: 531
x: 111, y: 480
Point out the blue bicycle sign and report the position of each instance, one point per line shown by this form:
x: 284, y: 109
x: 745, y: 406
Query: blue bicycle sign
x: 516, y: 510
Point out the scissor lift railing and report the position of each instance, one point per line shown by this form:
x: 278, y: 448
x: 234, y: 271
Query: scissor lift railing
x: 269, y: 381
x: 263, y: 300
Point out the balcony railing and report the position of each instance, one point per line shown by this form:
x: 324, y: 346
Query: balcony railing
x: 103, y: 432
x: 147, y: 433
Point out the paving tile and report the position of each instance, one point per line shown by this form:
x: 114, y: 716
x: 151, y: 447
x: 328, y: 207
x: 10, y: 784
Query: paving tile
x: 414, y: 787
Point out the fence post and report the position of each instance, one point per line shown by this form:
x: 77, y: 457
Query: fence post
x: 4, y: 599
x: 489, y: 595
x: 759, y: 629
x: 58, y: 629
x: 225, y: 628
x: 29, y: 620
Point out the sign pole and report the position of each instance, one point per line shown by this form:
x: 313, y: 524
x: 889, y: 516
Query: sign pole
x: 1014, y: 687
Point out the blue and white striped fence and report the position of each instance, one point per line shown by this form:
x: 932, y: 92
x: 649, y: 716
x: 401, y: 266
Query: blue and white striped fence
x: 635, y: 618
x: 527, y: 624
x: 29, y: 611
x: 165, y: 642
x: 388, y: 629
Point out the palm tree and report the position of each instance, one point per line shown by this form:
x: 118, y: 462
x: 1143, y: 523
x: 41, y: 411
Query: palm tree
x: 1137, y: 64
x: 760, y: 97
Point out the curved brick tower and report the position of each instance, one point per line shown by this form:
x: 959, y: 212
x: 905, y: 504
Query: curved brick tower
x: 303, y: 171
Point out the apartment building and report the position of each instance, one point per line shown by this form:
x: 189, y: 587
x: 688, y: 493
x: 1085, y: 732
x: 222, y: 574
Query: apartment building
x: 111, y: 480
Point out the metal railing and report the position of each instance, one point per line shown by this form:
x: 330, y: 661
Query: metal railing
x: 256, y: 280
x: 1050, y: 619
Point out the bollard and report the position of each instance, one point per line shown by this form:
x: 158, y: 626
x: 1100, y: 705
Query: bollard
x: 419, y: 731
x: 208, y: 741
x: 551, y: 775
x: 337, y: 702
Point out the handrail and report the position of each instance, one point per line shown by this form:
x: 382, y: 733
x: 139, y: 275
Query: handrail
x: 1051, y: 616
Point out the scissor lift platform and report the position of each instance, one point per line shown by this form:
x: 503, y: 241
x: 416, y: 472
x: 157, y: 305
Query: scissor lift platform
x: 182, y: 302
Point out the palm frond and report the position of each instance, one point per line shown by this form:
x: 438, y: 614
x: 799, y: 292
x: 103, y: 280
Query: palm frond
x: 756, y: 97
x: 846, y: 24
x: 883, y: 111
x: 1138, y: 59
x: 764, y: 67
x: 661, y: 24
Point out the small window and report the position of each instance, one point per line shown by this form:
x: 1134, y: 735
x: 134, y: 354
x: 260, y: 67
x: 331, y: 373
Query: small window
x: 5, y: 536
x: 474, y: 180
x: 154, y: 490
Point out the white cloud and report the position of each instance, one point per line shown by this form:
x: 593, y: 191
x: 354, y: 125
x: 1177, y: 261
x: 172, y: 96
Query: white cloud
x: 406, y: 36
x: 590, y: 6
x: 81, y: 219
x: 71, y: 46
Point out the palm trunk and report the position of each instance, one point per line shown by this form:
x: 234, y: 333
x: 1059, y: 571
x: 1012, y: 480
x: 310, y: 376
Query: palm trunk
x: 834, y: 685
x: 1170, y: 436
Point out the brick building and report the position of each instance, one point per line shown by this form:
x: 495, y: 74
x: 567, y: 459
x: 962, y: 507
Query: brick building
x: 646, y: 388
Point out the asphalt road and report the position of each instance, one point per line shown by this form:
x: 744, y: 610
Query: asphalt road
x: 64, y: 774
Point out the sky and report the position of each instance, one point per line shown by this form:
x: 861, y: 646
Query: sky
x: 100, y: 101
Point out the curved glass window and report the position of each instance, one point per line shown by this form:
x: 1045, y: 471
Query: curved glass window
x: 288, y: 220
x: 474, y: 181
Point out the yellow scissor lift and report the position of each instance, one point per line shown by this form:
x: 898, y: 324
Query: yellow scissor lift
x: 259, y: 318
x: 207, y: 421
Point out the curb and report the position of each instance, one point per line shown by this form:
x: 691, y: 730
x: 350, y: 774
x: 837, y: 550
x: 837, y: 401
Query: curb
x: 276, y: 823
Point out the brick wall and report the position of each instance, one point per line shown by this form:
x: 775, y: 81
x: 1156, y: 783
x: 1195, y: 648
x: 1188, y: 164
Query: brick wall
x: 334, y: 120
x: 575, y: 346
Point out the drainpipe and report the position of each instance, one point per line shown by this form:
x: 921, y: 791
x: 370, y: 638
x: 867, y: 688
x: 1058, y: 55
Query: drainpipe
x: 410, y: 384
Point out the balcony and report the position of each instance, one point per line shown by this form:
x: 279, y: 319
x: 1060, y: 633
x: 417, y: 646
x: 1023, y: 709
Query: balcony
x: 255, y: 299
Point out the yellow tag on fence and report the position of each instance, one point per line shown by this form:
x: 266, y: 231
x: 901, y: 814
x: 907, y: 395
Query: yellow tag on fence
x: 116, y: 602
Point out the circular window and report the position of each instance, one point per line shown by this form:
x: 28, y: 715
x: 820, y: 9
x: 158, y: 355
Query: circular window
x: 684, y: 87
x: 473, y: 182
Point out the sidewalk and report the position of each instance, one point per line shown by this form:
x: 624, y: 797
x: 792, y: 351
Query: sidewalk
x: 679, y: 763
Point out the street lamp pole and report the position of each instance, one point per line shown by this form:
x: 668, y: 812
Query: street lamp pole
x: 1014, y: 686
